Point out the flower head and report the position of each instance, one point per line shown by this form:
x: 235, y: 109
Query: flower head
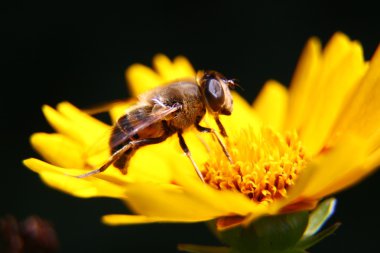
x: 290, y: 149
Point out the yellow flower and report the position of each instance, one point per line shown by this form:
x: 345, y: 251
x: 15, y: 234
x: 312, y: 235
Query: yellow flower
x: 291, y: 148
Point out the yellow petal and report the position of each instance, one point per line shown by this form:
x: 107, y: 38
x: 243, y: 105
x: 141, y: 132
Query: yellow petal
x: 140, y: 79
x: 329, y: 169
x: 165, y: 68
x: 152, y: 163
x: 75, y: 115
x: 373, y: 160
x: 194, y: 200
x: 183, y: 67
x: 156, y: 200
x: 335, y: 84
x: 356, y: 175
x: 349, y: 179
x: 335, y: 50
x: 70, y: 185
x: 227, y: 202
x: 123, y: 219
x: 302, y: 85
x: 41, y: 166
x: 65, y: 126
x: 361, y: 113
x: 58, y: 149
x: 271, y: 104
x: 57, y: 178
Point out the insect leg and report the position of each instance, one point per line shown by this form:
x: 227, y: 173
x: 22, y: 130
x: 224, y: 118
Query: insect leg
x: 212, y: 131
x: 119, y: 153
x: 115, y: 156
x: 221, y: 127
x: 184, y: 147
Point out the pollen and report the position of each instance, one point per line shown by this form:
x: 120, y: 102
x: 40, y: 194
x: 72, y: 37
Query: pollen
x: 266, y: 164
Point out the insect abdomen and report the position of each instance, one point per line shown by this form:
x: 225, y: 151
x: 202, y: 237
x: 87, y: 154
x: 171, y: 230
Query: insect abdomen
x: 125, y: 125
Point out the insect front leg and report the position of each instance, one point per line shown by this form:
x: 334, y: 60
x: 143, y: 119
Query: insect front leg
x: 212, y: 131
x: 221, y: 127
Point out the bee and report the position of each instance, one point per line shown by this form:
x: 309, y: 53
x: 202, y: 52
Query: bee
x: 169, y: 110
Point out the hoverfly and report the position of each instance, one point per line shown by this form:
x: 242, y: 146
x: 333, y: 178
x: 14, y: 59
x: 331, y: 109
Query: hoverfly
x: 168, y: 110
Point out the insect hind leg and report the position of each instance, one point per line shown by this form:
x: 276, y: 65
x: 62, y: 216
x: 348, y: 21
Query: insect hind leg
x: 133, y: 146
x: 113, y: 158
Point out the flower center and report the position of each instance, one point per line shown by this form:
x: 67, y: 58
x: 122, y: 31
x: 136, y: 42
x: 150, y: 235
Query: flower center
x: 266, y: 164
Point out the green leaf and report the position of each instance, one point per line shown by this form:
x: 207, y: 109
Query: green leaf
x: 268, y: 234
x: 202, y: 249
x: 314, y: 239
x: 319, y: 216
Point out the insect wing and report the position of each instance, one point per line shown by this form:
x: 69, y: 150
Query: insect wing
x: 132, y: 126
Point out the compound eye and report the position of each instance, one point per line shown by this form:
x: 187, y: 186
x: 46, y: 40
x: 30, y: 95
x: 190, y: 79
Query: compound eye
x: 214, y: 94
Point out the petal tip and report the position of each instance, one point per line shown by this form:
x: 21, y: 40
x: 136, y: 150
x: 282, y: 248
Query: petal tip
x: 35, y: 138
x: 340, y: 35
x: 47, y: 110
x: 46, y: 107
x: 160, y: 57
x: 64, y: 105
x: 133, y: 68
x: 29, y: 162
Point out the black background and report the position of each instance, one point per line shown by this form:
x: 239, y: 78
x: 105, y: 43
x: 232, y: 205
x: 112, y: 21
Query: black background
x: 54, y: 51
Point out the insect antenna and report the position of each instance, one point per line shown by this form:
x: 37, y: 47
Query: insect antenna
x: 233, y: 83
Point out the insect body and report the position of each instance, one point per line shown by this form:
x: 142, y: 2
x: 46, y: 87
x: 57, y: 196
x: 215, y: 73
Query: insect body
x: 169, y: 110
